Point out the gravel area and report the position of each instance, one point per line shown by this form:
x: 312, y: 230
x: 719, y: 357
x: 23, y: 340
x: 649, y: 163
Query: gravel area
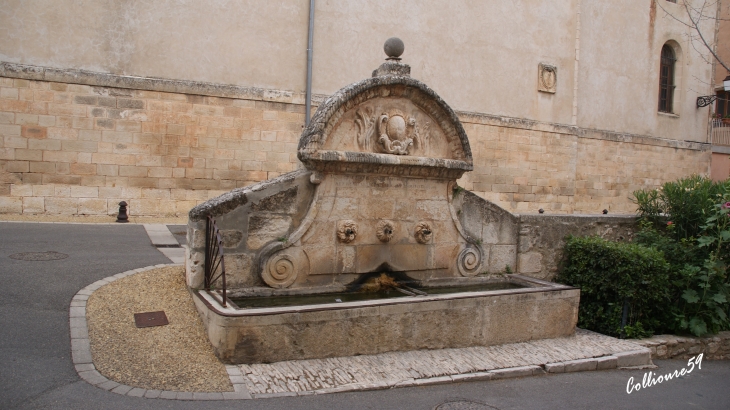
x: 175, y: 357
x: 93, y: 219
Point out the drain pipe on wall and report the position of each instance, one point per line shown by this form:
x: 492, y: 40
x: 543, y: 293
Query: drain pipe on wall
x: 308, y: 110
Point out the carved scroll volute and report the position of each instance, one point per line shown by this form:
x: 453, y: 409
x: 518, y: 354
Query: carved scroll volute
x: 469, y: 261
x: 280, y: 271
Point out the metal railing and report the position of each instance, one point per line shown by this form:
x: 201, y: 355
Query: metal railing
x: 214, y: 258
x: 720, y: 133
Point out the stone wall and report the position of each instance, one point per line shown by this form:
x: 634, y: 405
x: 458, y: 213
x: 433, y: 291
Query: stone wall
x: 165, y: 146
x: 525, y: 165
x: 479, y: 56
x: 542, y: 238
x: 79, y: 149
x: 677, y: 347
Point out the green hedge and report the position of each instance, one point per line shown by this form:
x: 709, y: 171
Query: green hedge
x: 610, y: 274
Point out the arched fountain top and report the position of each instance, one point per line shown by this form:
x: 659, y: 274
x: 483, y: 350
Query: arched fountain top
x: 387, y: 124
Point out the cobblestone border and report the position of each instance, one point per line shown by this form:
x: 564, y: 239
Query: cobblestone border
x: 715, y: 347
x: 84, y: 365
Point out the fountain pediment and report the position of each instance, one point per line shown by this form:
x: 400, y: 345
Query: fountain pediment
x: 388, y: 124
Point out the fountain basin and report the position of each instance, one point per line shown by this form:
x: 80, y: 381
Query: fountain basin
x: 461, y: 319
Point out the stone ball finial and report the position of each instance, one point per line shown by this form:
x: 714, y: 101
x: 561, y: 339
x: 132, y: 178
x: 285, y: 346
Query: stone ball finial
x: 394, y: 48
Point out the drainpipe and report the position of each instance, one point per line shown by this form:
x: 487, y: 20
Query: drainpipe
x: 308, y: 110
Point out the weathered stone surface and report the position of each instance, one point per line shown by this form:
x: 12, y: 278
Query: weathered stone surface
x: 545, y: 235
x: 264, y: 229
x: 404, y: 369
x: 281, y: 202
x: 298, y: 333
x: 715, y: 347
x: 231, y: 238
x: 501, y: 257
x: 530, y: 262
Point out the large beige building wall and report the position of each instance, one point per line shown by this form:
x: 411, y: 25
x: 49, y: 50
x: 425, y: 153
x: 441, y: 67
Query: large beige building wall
x: 618, y: 86
x: 165, y: 146
x: 480, y: 56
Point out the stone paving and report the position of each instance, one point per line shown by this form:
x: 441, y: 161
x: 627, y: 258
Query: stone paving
x: 584, y: 351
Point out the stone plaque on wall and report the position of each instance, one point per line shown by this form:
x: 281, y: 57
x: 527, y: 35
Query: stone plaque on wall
x: 547, y: 78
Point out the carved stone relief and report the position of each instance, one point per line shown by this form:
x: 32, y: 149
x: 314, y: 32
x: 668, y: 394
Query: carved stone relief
x: 394, y: 128
x: 469, y: 261
x: 423, y: 232
x: 395, y: 133
x: 384, y: 230
x: 547, y: 78
x: 346, y: 231
x: 280, y: 271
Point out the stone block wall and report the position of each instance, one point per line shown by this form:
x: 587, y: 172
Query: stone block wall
x: 542, y: 238
x: 715, y: 347
x: 165, y: 146
x: 524, y: 166
x: 79, y: 149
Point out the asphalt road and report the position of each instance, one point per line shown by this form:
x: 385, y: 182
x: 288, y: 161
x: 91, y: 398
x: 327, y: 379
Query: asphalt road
x: 36, y: 370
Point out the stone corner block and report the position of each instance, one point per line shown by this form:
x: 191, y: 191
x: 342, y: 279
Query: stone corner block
x: 433, y: 380
x: 207, y: 396
x: 555, y: 367
x: 512, y: 372
x: 121, y: 389
x: 472, y: 377
x: 229, y: 395
x: 136, y: 392
x: 184, y: 395
x: 606, y: 362
x: 633, y: 358
x: 580, y: 365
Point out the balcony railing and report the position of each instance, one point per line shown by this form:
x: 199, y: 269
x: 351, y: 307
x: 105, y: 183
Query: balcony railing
x: 720, y: 133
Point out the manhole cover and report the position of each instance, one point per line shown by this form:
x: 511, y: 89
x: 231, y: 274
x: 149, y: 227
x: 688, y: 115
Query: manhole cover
x: 39, y: 256
x: 150, y: 319
x: 464, y: 405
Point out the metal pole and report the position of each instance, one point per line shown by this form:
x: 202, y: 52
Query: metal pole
x: 308, y: 110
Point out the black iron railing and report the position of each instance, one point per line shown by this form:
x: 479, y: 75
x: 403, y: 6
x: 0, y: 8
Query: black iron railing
x: 215, y: 267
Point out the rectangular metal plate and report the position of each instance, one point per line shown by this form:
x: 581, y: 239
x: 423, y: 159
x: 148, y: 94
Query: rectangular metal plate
x: 150, y: 319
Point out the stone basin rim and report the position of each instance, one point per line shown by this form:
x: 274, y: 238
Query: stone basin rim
x: 212, y: 301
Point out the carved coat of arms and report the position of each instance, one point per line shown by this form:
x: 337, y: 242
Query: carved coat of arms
x: 391, y: 132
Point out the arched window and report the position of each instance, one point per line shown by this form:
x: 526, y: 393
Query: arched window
x: 666, y: 79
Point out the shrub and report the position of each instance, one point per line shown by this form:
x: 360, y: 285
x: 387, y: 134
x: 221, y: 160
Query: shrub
x: 689, y: 222
x: 611, y: 274
x: 686, y: 203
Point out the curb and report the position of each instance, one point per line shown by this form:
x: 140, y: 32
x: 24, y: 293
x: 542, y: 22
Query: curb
x: 84, y: 365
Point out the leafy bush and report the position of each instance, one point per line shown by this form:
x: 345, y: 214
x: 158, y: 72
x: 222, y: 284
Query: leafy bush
x: 688, y: 221
x: 687, y: 203
x: 611, y: 274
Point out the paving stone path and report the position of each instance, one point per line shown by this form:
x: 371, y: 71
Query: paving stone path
x: 432, y: 366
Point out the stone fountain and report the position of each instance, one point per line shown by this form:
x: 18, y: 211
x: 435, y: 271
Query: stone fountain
x: 376, y: 203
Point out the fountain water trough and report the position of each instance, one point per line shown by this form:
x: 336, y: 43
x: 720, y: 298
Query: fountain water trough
x: 376, y: 204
